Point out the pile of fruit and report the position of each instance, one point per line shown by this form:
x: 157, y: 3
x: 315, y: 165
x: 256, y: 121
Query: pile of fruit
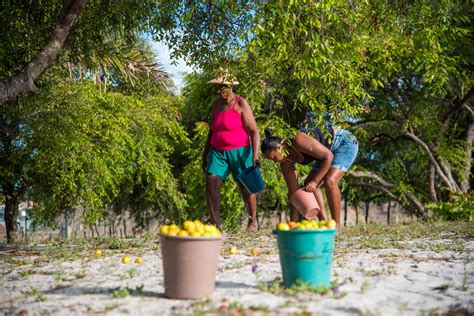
x: 305, y: 224
x: 191, y: 228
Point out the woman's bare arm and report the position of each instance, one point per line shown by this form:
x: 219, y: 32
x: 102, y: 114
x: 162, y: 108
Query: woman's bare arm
x: 305, y: 144
x: 251, y: 126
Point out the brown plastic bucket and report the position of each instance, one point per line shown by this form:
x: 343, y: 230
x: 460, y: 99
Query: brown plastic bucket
x: 305, y: 203
x: 190, y: 265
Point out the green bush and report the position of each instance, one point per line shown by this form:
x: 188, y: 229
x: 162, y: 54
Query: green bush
x: 459, y: 207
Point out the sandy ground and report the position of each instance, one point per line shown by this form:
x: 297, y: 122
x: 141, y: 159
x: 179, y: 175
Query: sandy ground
x: 417, y: 277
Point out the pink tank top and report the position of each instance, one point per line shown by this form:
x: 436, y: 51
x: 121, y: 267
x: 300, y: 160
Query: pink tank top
x: 228, y: 130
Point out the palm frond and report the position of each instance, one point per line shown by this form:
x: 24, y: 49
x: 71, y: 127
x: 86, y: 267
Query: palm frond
x: 119, y: 61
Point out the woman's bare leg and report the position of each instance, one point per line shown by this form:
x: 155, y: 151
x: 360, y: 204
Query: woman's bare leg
x: 251, y: 206
x: 331, y: 184
x: 213, y: 197
x: 291, y: 178
x: 318, y: 193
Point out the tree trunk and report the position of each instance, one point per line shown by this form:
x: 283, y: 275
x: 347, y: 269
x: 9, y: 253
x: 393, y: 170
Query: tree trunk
x: 367, y: 206
x: 12, y: 204
x: 96, y: 230
x: 23, y: 81
x: 465, y: 184
x: 345, y: 211
x: 357, y: 214
x: 431, y: 182
x: 388, y: 212
x: 449, y: 173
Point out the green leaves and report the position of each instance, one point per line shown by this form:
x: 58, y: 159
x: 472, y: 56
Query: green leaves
x: 90, y: 148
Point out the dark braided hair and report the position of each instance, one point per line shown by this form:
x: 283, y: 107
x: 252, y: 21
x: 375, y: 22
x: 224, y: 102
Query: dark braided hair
x: 270, y: 142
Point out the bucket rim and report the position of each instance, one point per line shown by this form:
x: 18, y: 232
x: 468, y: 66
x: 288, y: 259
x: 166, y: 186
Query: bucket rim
x: 191, y: 238
x: 246, y: 171
x: 304, y: 231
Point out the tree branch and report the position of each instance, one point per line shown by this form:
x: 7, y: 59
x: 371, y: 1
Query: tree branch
x: 373, y: 176
x: 455, y: 109
x: 23, y: 81
x: 378, y: 188
x: 440, y: 171
x: 385, y: 186
x: 364, y: 122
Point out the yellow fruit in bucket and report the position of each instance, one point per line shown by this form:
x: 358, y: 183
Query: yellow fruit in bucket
x: 283, y: 226
x: 173, y: 232
x: 191, y: 228
x: 164, y: 229
x: 300, y: 226
x: 331, y: 224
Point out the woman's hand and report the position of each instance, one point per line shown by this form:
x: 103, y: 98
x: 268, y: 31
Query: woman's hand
x: 310, y: 186
x: 256, y: 161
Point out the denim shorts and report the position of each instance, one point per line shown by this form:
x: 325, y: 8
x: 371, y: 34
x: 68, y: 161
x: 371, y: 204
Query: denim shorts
x: 344, y: 148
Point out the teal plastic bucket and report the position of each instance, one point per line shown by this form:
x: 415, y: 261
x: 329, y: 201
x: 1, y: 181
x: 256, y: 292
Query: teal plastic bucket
x: 252, y: 179
x: 306, y: 255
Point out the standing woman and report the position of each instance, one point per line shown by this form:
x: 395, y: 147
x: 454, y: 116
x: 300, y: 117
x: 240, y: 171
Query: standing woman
x: 332, y: 156
x: 231, y: 146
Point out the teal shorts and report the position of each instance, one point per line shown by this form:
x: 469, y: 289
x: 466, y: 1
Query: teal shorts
x: 220, y: 162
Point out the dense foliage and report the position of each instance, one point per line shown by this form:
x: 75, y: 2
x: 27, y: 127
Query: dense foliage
x: 104, y: 132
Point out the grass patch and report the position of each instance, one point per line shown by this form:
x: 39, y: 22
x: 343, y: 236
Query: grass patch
x: 276, y: 287
x: 130, y: 273
x: 39, y: 296
x: 17, y: 262
x: 120, y: 292
x: 126, y: 291
x: 26, y: 273
x: 412, y: 230
x: 58, y: 276
x: 205, y: 307
x: 381, y: 236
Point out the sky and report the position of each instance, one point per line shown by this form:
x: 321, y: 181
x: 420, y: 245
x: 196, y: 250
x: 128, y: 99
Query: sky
x: 177, y: 71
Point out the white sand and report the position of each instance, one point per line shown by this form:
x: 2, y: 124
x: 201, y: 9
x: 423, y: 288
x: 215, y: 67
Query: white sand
x: 409, y: 281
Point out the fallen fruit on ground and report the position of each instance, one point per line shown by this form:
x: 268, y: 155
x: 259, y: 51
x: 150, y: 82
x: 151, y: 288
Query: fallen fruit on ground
x: 126, y: 260
x: 233, y: 251
x: 255, y: 252
x: 139, y: 260
x: 98, y: 252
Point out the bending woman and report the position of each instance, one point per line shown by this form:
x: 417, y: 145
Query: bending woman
x: 331, y: 156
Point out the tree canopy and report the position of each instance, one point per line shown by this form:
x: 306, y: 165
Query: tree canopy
x: 104, y: 127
